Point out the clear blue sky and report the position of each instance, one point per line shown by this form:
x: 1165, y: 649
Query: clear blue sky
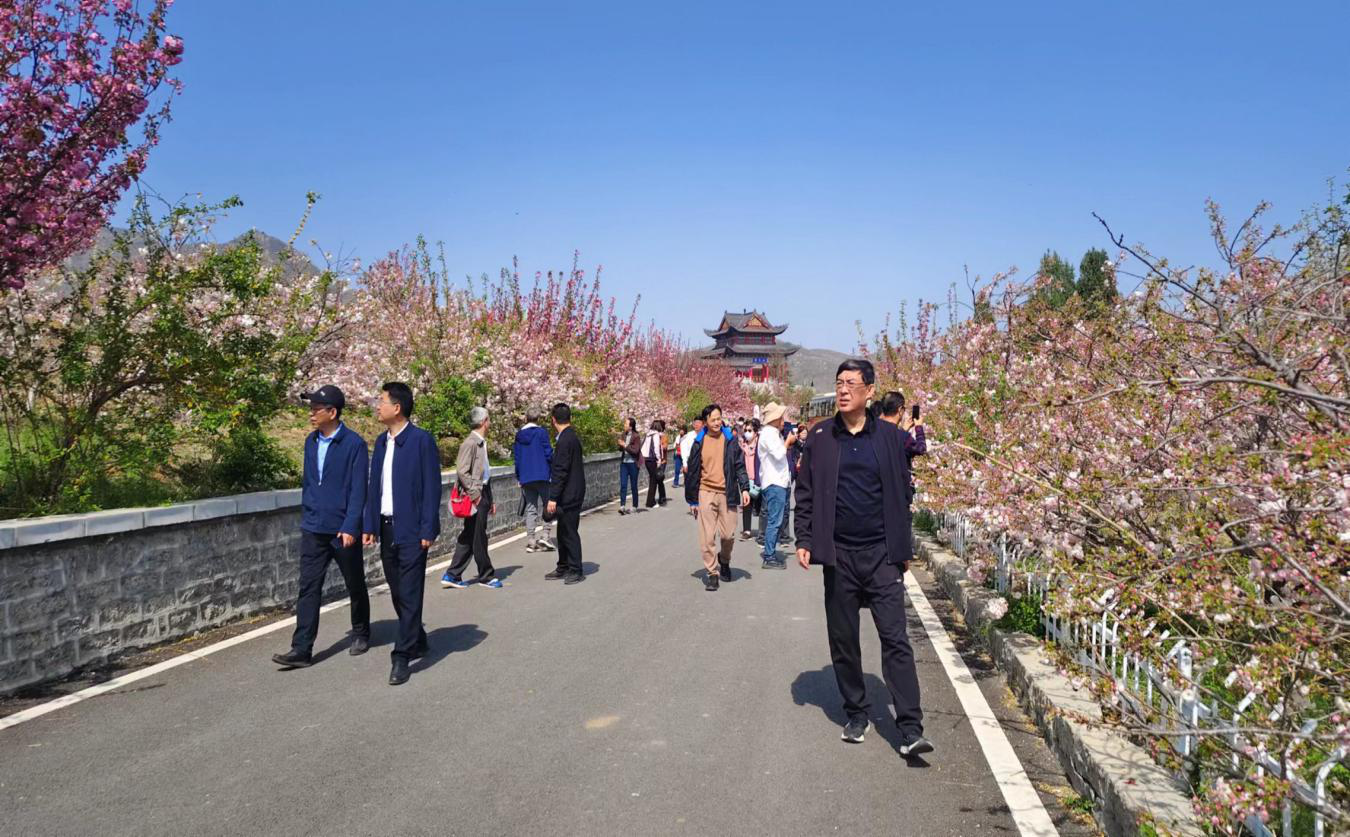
x: 822, y: 161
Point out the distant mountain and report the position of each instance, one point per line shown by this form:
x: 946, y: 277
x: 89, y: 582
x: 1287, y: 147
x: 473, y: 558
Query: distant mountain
x: 815, y: 368
x: 271, y: 246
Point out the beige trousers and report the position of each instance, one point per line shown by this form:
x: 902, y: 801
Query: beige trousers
x: 716, y: 521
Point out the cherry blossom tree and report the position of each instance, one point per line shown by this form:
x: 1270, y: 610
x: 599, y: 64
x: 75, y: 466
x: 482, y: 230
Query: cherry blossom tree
x: 78, y: 116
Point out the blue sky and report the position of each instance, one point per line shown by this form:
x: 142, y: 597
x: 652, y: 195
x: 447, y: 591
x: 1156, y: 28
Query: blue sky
x: 820, y: 161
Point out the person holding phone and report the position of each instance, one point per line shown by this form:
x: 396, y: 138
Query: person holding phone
x: 891, y: 408
x: 332, y: 500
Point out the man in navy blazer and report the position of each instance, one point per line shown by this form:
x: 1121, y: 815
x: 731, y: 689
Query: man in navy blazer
x: 403, y: 512
x: 332, y: 502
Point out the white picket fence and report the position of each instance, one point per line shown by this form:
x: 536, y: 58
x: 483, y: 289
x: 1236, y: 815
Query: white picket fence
x: 1146, y: 689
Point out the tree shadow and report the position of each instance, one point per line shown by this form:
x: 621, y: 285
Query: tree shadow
x: 442, y: 642
x: 818, y: 688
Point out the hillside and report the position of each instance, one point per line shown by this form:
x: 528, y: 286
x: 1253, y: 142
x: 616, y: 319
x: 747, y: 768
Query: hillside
x: 815, y: 367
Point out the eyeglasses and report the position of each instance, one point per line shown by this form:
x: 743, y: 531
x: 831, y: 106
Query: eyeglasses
x: 839, y: 386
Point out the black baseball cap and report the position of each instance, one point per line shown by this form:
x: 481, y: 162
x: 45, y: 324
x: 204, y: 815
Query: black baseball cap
x: 327, y: 396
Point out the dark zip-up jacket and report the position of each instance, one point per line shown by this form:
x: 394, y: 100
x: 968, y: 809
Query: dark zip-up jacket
x: 733, y: 469
x: 335, y: 503
x: 416, y: 483
x: 818, y: 483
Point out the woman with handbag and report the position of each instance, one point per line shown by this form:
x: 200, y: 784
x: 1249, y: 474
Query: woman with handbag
x: 473, y: 477
x: 654, y: 454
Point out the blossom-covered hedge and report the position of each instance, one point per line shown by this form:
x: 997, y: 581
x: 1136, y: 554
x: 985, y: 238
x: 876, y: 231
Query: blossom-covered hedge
x: 1183, y: 453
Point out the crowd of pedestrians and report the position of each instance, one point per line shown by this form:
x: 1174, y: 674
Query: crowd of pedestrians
x: 840, y: 490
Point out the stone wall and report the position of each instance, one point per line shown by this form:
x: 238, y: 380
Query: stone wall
x: 76, y: 590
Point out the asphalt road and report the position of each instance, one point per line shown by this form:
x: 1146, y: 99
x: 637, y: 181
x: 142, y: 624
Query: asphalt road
x: 633, y: 703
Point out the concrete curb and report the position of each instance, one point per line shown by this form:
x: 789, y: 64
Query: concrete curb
x: 1128, y: 788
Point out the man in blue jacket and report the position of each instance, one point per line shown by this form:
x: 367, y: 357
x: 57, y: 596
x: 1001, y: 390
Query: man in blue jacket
x: 533, y: 455
x: 403, y: 512
x: 332, y: 500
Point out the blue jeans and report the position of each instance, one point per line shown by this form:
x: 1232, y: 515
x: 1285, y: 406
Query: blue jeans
x: 679, y: 465
x: 628, y: 475
x: 774, y: 502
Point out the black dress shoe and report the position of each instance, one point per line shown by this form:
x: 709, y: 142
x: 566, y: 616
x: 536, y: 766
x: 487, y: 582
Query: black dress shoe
x: 399, y: 674
x: 555, y: 575
x: 293, y: 659
x: 359, y: 646
x: 724, y: 572
x: 710, y: 584
x: 574, y: 578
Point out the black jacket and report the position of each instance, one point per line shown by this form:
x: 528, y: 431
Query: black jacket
x: 567, y: 485
x: 818, y: 481
x: 733, y: 469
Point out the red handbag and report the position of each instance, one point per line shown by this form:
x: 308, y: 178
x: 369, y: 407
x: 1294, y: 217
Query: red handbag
x: 461, y: 504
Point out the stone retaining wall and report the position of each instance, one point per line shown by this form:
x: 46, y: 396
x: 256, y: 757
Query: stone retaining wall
x: 76, y: 590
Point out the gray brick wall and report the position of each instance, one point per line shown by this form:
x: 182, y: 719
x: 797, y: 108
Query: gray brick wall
x: 72, y: 594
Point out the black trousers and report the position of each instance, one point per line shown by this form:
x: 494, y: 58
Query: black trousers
x: 405, y: 568
x: 569, y: 540
x: 864, y: 576
x: 316, y: 551
x: 655, y: 485
x: 473, y: 540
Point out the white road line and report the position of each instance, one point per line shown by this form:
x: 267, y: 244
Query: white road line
x: 1025, y: 804
x: 201, y: 653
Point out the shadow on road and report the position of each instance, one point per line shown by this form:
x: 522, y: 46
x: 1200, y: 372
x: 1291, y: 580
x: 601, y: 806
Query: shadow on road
x: 818, y: 688
x: 446, y: 641
x: 505, y: 572
x: 736, y: 574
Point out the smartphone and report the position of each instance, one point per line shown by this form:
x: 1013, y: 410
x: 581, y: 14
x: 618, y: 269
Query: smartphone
x: 915, y: 412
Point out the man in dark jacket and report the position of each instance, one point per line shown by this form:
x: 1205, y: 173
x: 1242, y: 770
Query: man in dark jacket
x: 332, y: 500
x: 533, y: 456
x: 717, y: 486
x: 853, y: 518
x: 566, y: 494
x: 403, y: 512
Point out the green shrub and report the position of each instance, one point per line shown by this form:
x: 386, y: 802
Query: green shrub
x: 1023, y: 616
x: 597, y: 426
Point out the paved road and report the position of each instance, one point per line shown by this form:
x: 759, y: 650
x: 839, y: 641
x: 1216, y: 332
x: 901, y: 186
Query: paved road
x: 634, y: 703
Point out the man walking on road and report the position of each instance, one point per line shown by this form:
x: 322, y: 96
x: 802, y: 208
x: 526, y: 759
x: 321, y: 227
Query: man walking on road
x: 332, y: 500
x: 403, y: 512
x: 566, y: 494
x: 473, y: 472
x: 853, y: 519
x: 774, y: 481
x: 717, y: 486
x: 533, y: 457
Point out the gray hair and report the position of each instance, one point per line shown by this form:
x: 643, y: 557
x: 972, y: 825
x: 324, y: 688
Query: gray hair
x: 477, y: 416
x: 533, y: 415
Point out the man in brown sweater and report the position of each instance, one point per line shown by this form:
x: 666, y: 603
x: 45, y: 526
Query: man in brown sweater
x: 717, y: 487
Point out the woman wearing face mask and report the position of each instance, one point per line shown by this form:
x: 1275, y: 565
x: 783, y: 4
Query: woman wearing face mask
x: 750, y: 450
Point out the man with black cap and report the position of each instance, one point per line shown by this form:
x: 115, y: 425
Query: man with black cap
x: 332, y: 502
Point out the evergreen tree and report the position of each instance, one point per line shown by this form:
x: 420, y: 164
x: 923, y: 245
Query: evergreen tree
x: 1096, y: 278
x: 1060, y: 272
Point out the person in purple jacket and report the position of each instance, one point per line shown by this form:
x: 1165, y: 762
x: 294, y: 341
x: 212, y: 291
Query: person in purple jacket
x: 533, y: 456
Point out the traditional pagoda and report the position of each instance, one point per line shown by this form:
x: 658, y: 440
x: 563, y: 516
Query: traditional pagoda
x: 748, y: 342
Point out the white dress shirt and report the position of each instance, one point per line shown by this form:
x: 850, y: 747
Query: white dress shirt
x: 387, y: 474
x: 686, y: 446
